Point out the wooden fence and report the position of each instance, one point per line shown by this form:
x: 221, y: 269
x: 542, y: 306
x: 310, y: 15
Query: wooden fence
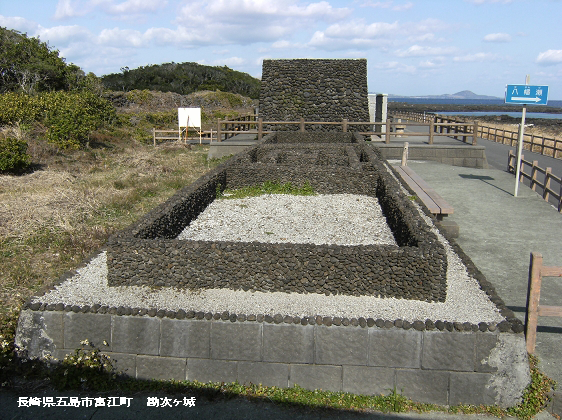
x: 389, y: 128
x: 548, y: 146
x: 550, y: 189
x: 536, y: 272
x: 177, y: 135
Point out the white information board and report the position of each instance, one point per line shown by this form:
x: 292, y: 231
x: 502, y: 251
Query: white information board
x: 189, y: 117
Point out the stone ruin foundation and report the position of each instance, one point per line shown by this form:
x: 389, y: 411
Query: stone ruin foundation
x: 428, y: 360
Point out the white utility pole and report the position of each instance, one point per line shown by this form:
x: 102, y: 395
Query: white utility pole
x: 520, y: 143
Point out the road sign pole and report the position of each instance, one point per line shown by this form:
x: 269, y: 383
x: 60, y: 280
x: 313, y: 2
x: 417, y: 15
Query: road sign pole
x: 520, y: 143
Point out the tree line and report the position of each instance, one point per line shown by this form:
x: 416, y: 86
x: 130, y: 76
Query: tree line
x: 39, y: 89
x: 183, y: 78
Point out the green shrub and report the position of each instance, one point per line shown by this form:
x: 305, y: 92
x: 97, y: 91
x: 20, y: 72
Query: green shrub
x: 140, y: 97
x: 13, y: 156
x: 71, y: 117
x: 16, y: 108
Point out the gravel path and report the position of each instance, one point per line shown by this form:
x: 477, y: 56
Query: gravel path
x: 340, y: 219
x: 465, y: 301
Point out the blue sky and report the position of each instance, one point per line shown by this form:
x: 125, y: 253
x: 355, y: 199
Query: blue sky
x: 412, y: 47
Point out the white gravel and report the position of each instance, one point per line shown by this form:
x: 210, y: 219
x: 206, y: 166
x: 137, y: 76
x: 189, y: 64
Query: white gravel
x: 319, y: 219
x: 465, y: 302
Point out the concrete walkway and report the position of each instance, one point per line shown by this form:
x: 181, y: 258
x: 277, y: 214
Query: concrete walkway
x: 498, y: 232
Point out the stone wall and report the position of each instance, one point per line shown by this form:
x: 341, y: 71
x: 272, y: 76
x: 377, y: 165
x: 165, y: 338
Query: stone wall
x: 431, y: 360
x: 316, y: 90
x: 147, y: 254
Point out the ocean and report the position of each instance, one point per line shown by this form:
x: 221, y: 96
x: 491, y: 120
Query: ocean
x: 533, y: 111
x: 555, y: 104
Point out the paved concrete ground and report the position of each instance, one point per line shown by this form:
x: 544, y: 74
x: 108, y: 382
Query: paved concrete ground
x: 498, y: 232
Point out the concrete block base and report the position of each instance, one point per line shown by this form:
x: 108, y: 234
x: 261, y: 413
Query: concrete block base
x: 433, y: 366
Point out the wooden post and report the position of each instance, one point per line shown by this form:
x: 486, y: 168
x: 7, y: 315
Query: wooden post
x: 260, y: 128
x: 560, y: 199
x: 546, y: 191
x: 344, y: 125
x: 387, y: 131
x: 219, y: 130
x: 475, y: 133
x: 301, y: 125
x: 154, y: 136
x: 521, y: 168
x: 534, y: 175
x: 533, y: 297
x: 431, y: 128
x: 405, y: 154
x: 509, y: 159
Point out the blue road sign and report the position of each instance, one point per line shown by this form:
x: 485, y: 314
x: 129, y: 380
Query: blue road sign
x: 526, y: 94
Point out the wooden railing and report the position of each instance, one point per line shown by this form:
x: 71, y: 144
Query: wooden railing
x: 414, y: 116
x: 388, y: 129
x: 167, y: 135
x: 548, y: 146
x: 536, y: 272
x: 549, y: 190
x: 234, y: 126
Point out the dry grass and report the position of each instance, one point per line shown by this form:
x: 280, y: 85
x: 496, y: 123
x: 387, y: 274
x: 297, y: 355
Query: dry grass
x: 51, y: 219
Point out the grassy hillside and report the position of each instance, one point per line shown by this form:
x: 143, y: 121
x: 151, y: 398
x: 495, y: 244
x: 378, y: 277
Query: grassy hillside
x: 183, y: 78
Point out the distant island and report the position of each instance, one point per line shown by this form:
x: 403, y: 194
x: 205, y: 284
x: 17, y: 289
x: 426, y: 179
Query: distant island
x: 464, y: 94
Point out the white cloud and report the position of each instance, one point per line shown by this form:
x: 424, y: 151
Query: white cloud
x: 358, y: 34
x: 388, y: 5
x: 281, y: 44
x: 478, y: 57
x: 122, y: 37
x: 19, y: 24
x: 68, y: 8
x: 252, y: 21
x: 136, y: 6
x: 231, y: 61
x: 427, y: 25
x: 232, y: 9
x: 64, y: 35
x: 405, y: 6
x: 321, y: 41
x: 121, y: 10
x: 550, y: 57
x: 422, y: 51
x: 422, y: 38
x: 428, y: 64
x: 497, y: 37
x: 395, y: 66
x: 358, y: 29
